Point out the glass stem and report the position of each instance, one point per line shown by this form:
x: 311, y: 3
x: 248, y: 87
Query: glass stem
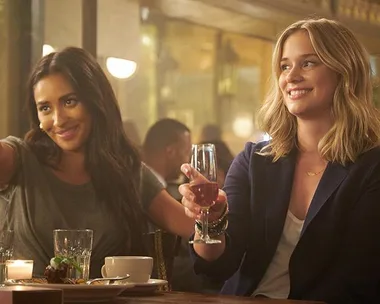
x: 204, y: 219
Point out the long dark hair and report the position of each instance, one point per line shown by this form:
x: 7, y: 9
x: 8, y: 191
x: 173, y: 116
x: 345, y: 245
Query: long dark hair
x: 111, y: 159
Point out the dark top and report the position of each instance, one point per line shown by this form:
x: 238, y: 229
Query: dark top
x: 337, y: 258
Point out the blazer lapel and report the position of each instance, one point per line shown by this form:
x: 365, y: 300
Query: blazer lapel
x: 331, y: 179
x: 278, y: 189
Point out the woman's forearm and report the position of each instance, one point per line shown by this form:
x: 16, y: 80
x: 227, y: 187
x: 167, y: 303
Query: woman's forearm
x: 210, y: 252
x: 170, y: 215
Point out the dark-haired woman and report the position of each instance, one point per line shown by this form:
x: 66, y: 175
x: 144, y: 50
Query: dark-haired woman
x: 77, y: 169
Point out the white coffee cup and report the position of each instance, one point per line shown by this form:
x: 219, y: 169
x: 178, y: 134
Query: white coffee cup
x: 138, y: 267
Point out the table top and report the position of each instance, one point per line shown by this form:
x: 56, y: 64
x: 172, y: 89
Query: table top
x: 139, y: 298
x: 179, y: 297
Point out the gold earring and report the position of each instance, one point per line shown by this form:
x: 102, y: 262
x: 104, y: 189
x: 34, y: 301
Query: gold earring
x: 41, y: 127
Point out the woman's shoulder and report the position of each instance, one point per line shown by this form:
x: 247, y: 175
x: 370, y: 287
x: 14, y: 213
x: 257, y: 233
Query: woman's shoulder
x: 23, y: 151
x: 372, y: 155
x: 150, y: 186
x: 370, y: 158
x: 18, y: 144
x: 13, y: 141
x: 250, y: 153
x: 252, y: 148
x: 257, y: 146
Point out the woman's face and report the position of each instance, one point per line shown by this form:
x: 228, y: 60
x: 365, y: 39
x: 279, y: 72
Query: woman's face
x: 62, y: 115
x: 307, y: 85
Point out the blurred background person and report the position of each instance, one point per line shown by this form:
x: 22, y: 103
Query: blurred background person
x: 166, y: 147
x: 211, y: 132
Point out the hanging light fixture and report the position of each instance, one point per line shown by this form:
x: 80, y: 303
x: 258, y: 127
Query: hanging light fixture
x: 121, y: 68
x: 47, y: 49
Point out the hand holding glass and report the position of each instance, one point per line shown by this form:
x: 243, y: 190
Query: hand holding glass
x: 203, y: 159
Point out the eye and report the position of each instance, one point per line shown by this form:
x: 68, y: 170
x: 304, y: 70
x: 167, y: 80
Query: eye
x: 308, y: 63
x: 71, y: 102
x: 44, y: 109
x: 284, y: 67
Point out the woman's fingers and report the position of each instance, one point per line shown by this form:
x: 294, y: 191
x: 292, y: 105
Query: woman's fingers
x: 222, y: 196
x: 193, y: 174
x: 188, y: 201
x: 218, y: 208
x: 193, y: 210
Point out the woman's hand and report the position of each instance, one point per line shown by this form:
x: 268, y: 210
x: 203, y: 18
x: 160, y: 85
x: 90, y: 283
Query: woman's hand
x: 192, y: 209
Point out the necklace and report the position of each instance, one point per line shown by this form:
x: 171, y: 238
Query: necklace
x: 309, y: 173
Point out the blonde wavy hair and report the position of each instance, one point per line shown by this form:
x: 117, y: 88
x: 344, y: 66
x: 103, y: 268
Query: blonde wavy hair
x: 356, y: 127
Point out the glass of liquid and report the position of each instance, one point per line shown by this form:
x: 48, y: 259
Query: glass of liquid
x: 76, y: 247
x: 203, y: 159
x: 6, y: 252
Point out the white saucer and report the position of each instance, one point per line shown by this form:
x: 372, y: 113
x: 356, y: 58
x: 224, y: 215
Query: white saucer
x: 151, y: 282
x: 151, y: 286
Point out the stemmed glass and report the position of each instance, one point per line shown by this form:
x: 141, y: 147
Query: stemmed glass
x: 203, y: 159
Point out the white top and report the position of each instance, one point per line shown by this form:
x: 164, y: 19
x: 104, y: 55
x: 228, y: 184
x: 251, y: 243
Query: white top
x: 276, y: 284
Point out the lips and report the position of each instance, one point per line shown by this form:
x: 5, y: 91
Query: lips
x: 298, y: 93
x: 67, y: 134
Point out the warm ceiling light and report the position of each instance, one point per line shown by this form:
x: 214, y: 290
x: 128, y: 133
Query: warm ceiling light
x: 121, y: 68
x: 146, y: 40
x: 47, y: 49
x: 243, y: 126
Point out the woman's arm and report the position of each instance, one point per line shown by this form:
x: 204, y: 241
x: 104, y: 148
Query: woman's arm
x: 169, y: 214
x: 7, y: 163
x: 222, y: 260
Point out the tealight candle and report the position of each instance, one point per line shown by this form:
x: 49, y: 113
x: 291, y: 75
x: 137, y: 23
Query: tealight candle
x: 19, y: 269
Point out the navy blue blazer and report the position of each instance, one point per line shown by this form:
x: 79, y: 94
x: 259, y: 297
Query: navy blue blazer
x: 337, y: 258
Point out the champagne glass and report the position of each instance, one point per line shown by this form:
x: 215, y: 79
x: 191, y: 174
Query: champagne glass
x: 203, y: 159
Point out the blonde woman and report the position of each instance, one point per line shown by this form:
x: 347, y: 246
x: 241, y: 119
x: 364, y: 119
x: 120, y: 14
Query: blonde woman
x: 304, y: 208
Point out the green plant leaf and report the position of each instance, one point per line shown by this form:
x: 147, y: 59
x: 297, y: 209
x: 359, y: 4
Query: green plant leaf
x: 70, y: 261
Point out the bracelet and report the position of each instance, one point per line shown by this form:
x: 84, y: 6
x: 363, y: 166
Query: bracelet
x: 221, y: 218
x: 216, y: 226
x: 213, y: 231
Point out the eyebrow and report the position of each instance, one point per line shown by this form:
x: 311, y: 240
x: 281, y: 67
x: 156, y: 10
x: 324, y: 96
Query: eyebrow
x: 303, y: 56
x: 64, y: 97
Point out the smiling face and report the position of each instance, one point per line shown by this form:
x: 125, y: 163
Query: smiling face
x: 63, y: 116
x: 306, y: 83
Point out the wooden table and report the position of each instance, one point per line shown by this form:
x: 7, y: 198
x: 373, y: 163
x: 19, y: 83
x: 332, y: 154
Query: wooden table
x: 194, y: 298
x: 27, y: 295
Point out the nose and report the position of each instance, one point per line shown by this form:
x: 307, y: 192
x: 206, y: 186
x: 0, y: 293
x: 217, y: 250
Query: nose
x: 59, y: 117
x: 294, y: 75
